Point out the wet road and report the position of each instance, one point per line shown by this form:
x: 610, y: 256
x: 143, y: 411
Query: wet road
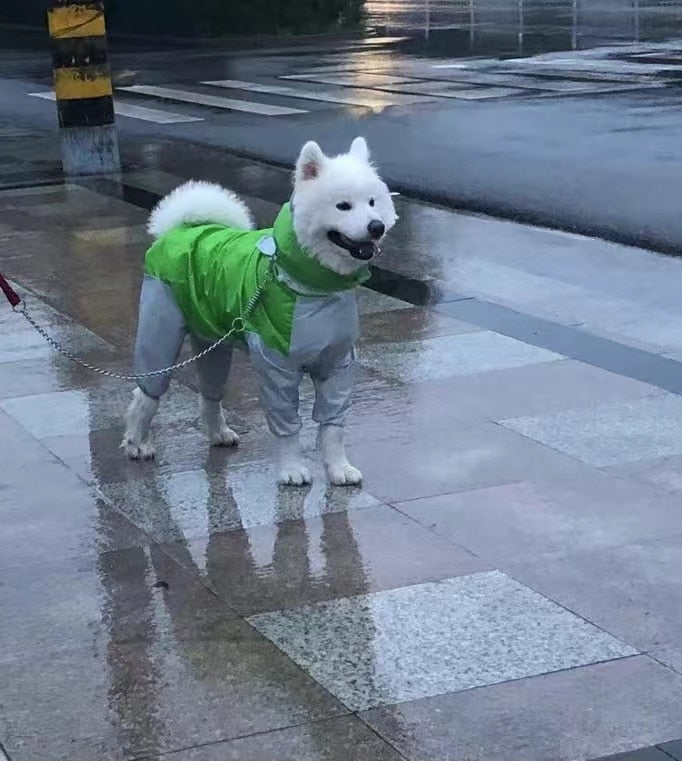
x: 586, y: 142
x: 518, y: 420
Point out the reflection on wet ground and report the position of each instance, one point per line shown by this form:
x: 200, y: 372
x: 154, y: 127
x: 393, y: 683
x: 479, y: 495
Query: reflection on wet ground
x: 515, y: 522
x: 461, y: 28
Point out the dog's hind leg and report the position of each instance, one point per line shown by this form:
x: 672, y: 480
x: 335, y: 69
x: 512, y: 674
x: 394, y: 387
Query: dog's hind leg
x: 214, y: 370
x: 160, y: 334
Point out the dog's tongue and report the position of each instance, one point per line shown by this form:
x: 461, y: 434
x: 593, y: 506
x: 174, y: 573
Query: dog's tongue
x: 365, y: 250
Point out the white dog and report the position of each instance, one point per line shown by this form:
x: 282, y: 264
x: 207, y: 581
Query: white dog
x: 208, y: 263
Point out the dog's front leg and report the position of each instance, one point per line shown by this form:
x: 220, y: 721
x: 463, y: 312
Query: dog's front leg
x: 339, y: 470
x: 136, y: 440
x: 279, y: 383
x: 291, y: 467
x: 333, y: 390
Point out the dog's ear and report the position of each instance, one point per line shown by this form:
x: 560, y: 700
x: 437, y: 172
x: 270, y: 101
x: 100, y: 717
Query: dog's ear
x: 310, y: 161
x: 359, y: 149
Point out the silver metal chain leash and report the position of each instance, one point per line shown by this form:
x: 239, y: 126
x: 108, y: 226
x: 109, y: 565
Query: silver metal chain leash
x: 238, y: 326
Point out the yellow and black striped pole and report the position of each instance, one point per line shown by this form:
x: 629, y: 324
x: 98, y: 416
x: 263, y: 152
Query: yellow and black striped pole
x: 82, y: 83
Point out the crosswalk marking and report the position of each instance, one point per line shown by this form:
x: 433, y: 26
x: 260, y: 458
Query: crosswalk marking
x: 483, y: 93
x: 431, y: 87
x: 450, y: 65
x: 346, y: 97
x: 204, y: 99
x: 352, y: 79
x: 136, y: 112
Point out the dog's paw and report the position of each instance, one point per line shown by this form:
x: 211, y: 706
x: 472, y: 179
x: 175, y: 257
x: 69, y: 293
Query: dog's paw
x: 344, y: 475
x: 144, y: 451
x: 224, y: 437
x: 293, y: 474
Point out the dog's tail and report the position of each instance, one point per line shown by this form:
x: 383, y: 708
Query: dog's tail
x: 199, y: 203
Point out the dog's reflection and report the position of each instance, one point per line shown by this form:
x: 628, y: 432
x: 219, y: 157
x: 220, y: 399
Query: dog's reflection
x: 252, y: 568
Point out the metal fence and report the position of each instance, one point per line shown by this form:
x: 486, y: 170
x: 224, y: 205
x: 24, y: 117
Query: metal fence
x: 569, y: 23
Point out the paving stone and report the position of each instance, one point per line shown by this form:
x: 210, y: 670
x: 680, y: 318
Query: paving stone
x: 431, y: 639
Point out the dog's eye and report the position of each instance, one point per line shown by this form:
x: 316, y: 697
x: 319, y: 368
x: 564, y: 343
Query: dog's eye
x: 344, y: 206
x: 371, y: 202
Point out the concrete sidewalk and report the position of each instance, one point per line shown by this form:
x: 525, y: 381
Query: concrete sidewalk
x: 504, y: 586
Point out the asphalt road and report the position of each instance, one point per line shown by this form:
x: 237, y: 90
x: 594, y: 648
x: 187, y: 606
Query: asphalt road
x: 603, y: 163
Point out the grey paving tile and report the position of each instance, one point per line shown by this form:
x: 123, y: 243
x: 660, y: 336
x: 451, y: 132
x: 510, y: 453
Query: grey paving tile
x: 114, y: 317
x: 433, y: 451
x: 448, y: 356
x: 431, y: 639
x: 81, y: 411
x: 66, y: 200
x: 415, y: 323
x: 345, y: 739
x: 669, y: 656
x: 93, y: 451
x: 637, y: 597
x: 643, y: 754
x: 672, y: 750
x: 45, y: 315
x: 321, y: 558
x: 24, y: 342
x: 96, y: 456
x: 115, y: 236
x: 53, y: 605
x: 35, y: 195
x: 58, y: 518
x: 665, y: 473
x: 49, y: 374
x: 548, y: 517
x: 190, y: 504
x: 577, y: 714
x: 536, y: 390
x: 20, y: 453
x: 155, y: 180
x: 45, y: 510
x: 371, y: 302
x: 71, y: 273
x: 147, y: 698
x: 611, y: 434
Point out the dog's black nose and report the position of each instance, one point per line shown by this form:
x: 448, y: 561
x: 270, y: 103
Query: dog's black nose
x: 376, y: 228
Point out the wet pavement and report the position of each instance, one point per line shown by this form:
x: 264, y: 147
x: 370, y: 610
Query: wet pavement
x: 503, y: 586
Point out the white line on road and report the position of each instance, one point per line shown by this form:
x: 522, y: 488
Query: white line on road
x: 345, y: 97
x: 483, y: 93
x: 136, y: 112
x: 450, y: 66
x: 202, y: 99
x: 354, y: 79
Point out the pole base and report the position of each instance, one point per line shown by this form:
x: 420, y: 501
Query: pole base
x: 90, y: 150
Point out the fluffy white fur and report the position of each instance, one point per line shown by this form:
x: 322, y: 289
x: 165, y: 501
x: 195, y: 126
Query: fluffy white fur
x: 199, y: 202
x: 321, y: 184
x: 339, y: 471
x: 291, y: 467
x: 137, y: 443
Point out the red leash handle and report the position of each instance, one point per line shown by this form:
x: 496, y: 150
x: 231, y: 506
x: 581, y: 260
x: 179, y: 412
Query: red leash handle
x: 10, y: 293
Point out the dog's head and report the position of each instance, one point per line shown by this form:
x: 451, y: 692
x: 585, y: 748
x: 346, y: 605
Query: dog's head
x: 342, y: 209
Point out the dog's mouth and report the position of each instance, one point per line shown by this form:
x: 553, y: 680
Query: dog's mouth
x: 358, y: 249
